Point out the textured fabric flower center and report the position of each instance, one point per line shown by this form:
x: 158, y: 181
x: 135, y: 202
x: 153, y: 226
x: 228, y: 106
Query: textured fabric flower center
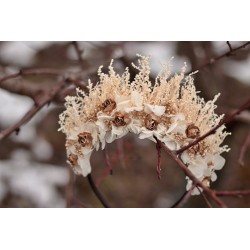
x: 85, y: 139
x: 192, y: 131
x: 151, y: 122
x: 121, y: 119
x: 109, y: 105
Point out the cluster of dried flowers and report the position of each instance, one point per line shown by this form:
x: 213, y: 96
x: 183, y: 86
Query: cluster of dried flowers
x: 169, y: 110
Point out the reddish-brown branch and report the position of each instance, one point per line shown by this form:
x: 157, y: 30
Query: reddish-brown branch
x: 96, y: 191
x: 227, y: 54
x: 192, y: 177
x: 184, y: 198
x: 244, y: 149
x: 236, y: 193
x: 205, y: 199
x: 158, y: 149
x: 226, y: 120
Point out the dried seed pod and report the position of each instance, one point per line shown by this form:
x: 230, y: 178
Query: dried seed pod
x: 72, y: 159
x: 151, y: 122
x: 109, y: 105
x: 121, y: 119
x: 85, y: 139
x: 192, y: 131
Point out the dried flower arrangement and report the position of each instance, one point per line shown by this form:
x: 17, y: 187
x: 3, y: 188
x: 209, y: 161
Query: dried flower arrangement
x: 170, y: 110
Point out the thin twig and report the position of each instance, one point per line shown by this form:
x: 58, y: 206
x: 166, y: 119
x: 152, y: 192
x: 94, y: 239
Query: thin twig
x: 78, y: 51
x: 184, y: 198
x: 96, y: 191
x: 34, y: 71
x: 192, y: 177
x: 205, y: 198
x: 41, y: 101
x: 230, y: 47
x: 244, y: 149
x: 225, y: 120
x: 77, y: 83
x: 69, y: 189
x: 213, y: 60
x: 237, y: 193
x: 158, y: 149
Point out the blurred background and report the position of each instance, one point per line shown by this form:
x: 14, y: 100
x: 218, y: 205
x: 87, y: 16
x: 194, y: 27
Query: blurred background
x: 33, y: 168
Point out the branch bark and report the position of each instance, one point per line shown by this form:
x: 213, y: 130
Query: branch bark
x: 188, y: 173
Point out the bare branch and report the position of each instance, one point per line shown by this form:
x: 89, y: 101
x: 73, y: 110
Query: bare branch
x: 158, y: 148
x: 244, y: 149
x: 230, y: 47
x: 227, y: 54
x: 205, y: 199
x: 237, y: 193
x: 96, y: 191
x: 192, y: 177
x: 40, y: 100
x: 184, y: 198
x: 35, y: 71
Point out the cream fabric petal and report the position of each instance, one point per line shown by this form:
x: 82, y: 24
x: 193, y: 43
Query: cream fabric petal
x: 84, y: 163
x: 157, y: 110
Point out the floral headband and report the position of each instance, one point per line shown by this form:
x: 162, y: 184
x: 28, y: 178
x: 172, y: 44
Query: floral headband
x: 169, y: 110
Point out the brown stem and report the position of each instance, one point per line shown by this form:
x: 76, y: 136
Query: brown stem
x: 96, y: 191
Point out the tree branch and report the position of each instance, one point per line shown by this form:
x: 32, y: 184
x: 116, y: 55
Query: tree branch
x: 40, y: 100
x: 244, y: 149
x: 238, y: 193
x: 191, y: 176
x: 227, y: 54
x: 96, y: 191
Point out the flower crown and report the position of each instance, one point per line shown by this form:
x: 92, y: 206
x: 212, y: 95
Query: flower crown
x: 169, y: 110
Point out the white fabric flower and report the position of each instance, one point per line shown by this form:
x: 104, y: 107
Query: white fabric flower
x: 116, y: 133
x: 178, y: 124
x: 133, y: 102
x: 135, y: 126
x: 157, y: 110
x: 103, y: 128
